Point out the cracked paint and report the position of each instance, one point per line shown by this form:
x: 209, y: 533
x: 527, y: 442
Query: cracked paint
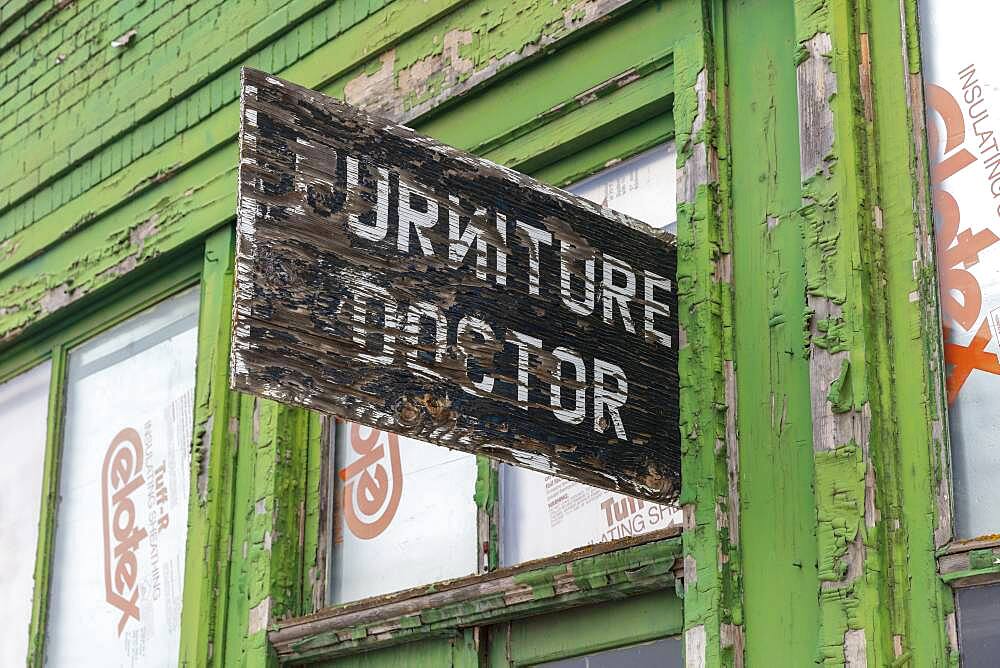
x: 469, y: 47
x: 260, y: 617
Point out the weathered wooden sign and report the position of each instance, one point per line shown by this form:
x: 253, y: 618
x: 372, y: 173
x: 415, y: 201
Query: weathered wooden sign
x: 403, y: 284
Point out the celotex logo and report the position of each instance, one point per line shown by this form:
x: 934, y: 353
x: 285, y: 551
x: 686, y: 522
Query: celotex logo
x: 373, y: 483
x: 958, y: 252
x: 121, y: 477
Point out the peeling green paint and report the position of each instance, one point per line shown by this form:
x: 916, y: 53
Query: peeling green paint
x: 486, y: 494
x: 835, y: 222
x: 470, y: 41
x: 487, y: 484
x: 811, y: 17
x: 713, y: 591
x: 840, y: 503
x: 266, y: 572
x: 562, y: 584
x: 840, y: 395
x: 213, y: 452
x: 914, y: 466
x: 820, y: 239
x: 541, y: 582
x: 641, y: 561
x: 315, y: 550
x: 834, y: 334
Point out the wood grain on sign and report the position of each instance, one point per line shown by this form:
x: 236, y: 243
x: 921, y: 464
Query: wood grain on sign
x: 400, y: 283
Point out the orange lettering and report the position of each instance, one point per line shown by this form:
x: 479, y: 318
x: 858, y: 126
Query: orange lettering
x: 373, y: 486
x: 120, y: 479
x: 963, y: 360
x: 945, y: 105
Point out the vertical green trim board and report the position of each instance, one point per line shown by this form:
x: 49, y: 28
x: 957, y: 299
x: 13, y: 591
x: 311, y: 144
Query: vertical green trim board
x: 713, y: 631
x: 316, y: 538
x: 777, y: 533
x: 921, y: 602
x: 265, y: 579
x: 49, y: 501
x: 212, y: 461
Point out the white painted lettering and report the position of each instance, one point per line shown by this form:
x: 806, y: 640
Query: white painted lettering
x: 501, y: 255
x: 609, y: 400
x: 523, y: 342
x: 377, y: 230
x: 460, y: 242
x: 366, y: 293
x: 472, y: 325
x: 621, y: 294
x: 415, y: 218
x: 424, y: 312
x: 579, y: 410
x: 586, y: 305
x: 536, y: 236
x: 653, y: 308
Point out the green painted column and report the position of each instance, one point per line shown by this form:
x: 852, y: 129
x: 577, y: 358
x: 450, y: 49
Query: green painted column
x: 266, y: 573
x: 206, y: 568
x: 842, y: 323
x: 836, y: 336
x: 778, y: 512
x: 912, y: 480
x: 713, y: 616
x: 873, y: 377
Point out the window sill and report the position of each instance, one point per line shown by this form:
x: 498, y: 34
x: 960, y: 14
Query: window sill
x: 970, y: 563
x: 970, y: 545
x: 586, y: 575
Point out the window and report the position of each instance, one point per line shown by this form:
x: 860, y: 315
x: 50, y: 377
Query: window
x: 961, y: 79
x: 664, y: 653
x: 978, y: 621
x: 404, y: 513
x: 544, y: 515
x: 23, y: 420
x: 641, y: 186
x: 617, y: 150
x: 118, y: 567
x: 960, y: 83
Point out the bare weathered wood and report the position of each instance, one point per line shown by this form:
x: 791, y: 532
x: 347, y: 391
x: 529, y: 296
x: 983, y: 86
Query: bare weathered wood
x: 585, y: 575
x: 970, y: 545
x: 405, y: 285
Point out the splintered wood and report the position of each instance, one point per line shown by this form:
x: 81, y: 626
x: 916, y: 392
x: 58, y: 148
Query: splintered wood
x: 400, y: 283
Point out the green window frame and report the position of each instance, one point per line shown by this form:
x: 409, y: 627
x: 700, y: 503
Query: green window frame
x: 52, y: 341
x: 572, y: 633
x: 967, y: 560
x: 582, y: 121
